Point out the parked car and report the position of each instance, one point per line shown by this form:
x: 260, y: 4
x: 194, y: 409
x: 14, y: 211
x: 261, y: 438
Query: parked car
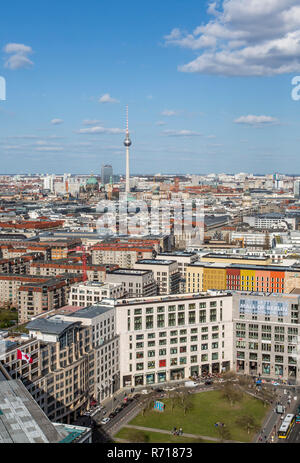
x: 105, y: 420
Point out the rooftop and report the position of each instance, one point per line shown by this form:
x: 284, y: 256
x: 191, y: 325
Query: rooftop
x: 90, y: 311
x: 22, y: 420
x: 50, y: 326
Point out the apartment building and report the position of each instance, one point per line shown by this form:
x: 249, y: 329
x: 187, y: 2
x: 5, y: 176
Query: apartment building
x: 165, y: 273
x: 61, y: 376
x: 266, y: 335
x: 174, y: 337
x: 91, y: 292
x: 136, y: 283
x: 59, y: 267
x: 37, y: 297
x: 10, y: 285
x: 105, y: 343
x: 10, y: 251
x: 269, y: 278
x: 121, y: 254
x: 183, y: 259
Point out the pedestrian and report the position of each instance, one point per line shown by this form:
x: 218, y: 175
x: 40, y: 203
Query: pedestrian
x: 180, y: 431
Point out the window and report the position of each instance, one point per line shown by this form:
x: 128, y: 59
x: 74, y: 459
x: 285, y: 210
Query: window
x: 162, y: 351
x: 160, y: 321
x: 202, y: 316
x: 172, y: 319
x: 138, y: 323
x: 181, y: 318
x: 162, y: 363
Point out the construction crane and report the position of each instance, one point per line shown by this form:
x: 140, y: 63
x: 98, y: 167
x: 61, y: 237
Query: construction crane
x: 84, y: 260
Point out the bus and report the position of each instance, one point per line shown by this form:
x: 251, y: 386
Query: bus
x: 286, y: 426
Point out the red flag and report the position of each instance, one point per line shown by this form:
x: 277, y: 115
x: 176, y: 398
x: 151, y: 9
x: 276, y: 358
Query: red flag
x: 22, y: 356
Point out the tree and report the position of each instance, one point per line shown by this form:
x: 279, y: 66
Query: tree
x: 266, y: 395
x: 244, y: 381
x: 229, y: 375
x: 147, y: 405
x: 224, y: 433
x: 231, y: 393
x: 174, y: 399
x: 185, y: 401
x: 248, y: 423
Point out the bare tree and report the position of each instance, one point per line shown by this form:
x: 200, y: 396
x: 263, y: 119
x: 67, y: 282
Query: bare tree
x: 231, y: 393
x: 229, y: 375
x: 248, y: 423
x: 174, y: 399
x: 224, y: 433
x: 185, y: 401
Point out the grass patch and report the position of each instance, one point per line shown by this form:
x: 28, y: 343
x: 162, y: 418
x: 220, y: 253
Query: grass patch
x: 8, y: 318
x: 207, y: 409
x: 157, y: 437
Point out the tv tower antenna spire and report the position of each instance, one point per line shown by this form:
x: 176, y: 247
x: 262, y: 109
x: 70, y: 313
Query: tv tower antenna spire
x: 127, y: 143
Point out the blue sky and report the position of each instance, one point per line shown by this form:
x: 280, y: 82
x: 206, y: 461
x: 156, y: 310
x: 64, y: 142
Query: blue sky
x: 207, y: 90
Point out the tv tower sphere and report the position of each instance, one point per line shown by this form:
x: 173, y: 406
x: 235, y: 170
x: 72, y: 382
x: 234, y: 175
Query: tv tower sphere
x: 127, y: 141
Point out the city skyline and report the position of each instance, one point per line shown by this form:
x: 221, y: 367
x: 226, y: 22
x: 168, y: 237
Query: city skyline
x: 67, y: 91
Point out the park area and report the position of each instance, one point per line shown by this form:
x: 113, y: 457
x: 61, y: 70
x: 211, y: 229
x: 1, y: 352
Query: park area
x: 239, y: 418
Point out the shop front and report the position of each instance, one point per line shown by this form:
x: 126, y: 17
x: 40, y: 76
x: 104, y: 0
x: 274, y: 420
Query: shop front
x: 177, y: 374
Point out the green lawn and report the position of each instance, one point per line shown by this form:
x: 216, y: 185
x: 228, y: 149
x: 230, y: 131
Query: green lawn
x: 7, y: 317
x: 208, y: 408
x: 156, y: 437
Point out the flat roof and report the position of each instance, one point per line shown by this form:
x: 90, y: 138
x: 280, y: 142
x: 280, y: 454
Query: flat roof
x: 51, y: 325
x: 155, y: 262
x: 22, y: 420
x: 91, y: 311
x: 127, y: 271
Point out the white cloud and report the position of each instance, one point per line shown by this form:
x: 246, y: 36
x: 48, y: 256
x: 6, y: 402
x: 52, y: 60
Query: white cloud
x: 19, y: 56
x: 57, y: 121
x: 256, y: 120
x: 90, y: 122
x: 181, y: 133
x: 100, y: 130
x: 160, y: 123
x: 169, y: 112
x: 244, y: 38
x: 106, y: 98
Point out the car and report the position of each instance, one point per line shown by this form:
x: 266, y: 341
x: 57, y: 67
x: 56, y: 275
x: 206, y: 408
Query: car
x: 208, y: 382
x: 105, y: 420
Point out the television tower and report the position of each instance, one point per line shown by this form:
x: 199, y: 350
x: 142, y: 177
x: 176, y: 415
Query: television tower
x: 127, y: 143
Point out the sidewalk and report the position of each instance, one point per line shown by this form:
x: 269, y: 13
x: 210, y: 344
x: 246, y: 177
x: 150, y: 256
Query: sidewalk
x: 193, y: 436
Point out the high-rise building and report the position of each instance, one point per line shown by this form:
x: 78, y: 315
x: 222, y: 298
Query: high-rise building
x: 297, y: 189
x: 106, y: 174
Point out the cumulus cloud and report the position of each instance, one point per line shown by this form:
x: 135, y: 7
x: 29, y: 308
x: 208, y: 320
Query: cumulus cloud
x: 19, y: 56
x: 91, y: 122
x: 100, y: 130
x: 181, y: 133
x: 106, y: 98
x: 256, y: 120
x: 169, y: 112
x: 57, y: 121
x: 244, y: 38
